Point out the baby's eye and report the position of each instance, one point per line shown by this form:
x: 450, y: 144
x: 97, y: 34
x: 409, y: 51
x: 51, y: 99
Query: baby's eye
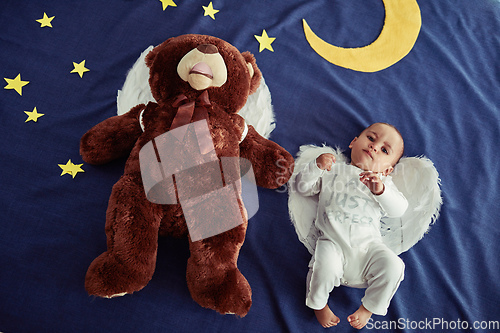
x: 385, y: 151
x: 371, y: 138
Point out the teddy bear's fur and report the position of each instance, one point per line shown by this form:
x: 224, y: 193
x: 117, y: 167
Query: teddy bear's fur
x: 133, y: 223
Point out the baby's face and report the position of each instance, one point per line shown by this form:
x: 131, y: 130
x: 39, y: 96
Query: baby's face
x: 377, y: 149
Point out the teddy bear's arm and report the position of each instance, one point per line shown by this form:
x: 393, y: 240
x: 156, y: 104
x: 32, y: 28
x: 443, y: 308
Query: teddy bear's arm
x: 272, y: 164
x: 112, y: 138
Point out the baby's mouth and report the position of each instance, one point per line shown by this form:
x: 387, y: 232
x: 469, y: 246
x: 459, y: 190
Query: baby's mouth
x: 368, y: 153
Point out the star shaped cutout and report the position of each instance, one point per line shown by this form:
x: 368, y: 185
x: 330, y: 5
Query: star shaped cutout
x: 210, y: 11
x: 80, y: 68
x: 265, y: 41
x: 45, y: 21
x: 17, y: 84
x: 167, y: 3
x: 70, y: 168
x: 33, y: 115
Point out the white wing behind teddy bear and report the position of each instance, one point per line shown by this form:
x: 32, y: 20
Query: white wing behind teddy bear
x: 258, y: 111
x: 415, y: 177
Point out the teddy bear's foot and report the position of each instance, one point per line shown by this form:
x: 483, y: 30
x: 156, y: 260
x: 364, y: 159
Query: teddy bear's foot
x: 234, y: 295
x: 108, y: 277
x: 227, y: 292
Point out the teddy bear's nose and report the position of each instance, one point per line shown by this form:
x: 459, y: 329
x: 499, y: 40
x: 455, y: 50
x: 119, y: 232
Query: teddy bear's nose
x: 207, y: 48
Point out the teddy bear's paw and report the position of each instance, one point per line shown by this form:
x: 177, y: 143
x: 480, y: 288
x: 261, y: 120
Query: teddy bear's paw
x: 237, y: 297
x: 109, y: 278
x: 226, y: 292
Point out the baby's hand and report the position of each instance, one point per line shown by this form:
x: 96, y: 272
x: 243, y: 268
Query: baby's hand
x: 372, y: 181
x: 325, y: 161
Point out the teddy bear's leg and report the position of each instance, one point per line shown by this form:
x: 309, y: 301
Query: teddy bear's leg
x: 132, y: 224
x: 212, y: 274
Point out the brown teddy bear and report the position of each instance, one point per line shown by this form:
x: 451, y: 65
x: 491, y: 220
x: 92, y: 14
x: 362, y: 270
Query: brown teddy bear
x: 195, y: 79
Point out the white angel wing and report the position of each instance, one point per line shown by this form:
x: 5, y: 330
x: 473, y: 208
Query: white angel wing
x: 418, y: 180
x: 415, y: 177
x: 258, y: 110
x: 136, y: 89
x: 303, y: 209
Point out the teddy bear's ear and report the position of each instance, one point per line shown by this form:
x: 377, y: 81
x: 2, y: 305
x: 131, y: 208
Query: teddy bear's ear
x: 151, y: 56
x: 256, y: 75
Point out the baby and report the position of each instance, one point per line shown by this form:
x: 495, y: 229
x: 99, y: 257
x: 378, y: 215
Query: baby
x: 352, y: 199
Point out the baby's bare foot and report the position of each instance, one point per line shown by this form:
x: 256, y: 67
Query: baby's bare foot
x: 326, y: 317
x: 359, y: 318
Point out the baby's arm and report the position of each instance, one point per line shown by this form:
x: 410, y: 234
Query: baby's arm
x: 325, y: 161
x: 372, y: 181
x: 391, y: 200
x: 308, y: 181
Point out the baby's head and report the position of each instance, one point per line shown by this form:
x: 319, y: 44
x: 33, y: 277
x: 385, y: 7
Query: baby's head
x: 378, y: 148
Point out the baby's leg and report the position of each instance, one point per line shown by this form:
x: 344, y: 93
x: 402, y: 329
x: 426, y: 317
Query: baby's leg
x: 384, y: 272
x: 325, y: 270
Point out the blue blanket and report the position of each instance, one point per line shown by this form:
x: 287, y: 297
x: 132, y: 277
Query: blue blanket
x: 68, y: 64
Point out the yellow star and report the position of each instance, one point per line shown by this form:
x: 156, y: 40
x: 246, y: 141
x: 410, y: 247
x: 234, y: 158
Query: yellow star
x: 71, y: 168
x: 265, y: 41
x: 80, y: 68
x: 210, y: 11
x: 45, y: 21
x: 167, y: 3
x: 33, y: 115
x: 17, y: 84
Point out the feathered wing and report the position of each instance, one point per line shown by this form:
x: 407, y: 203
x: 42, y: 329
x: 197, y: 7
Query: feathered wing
x: 136, y: 88
x: 418, y: 180
x: 258, y: 110
x: 415, y: 177
x: 302, y: 209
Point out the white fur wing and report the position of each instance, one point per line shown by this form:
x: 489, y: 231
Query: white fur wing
x: 418, y: 180
x: 258, y: 110
x: 415, y: 177
x: 302, y: 209
x: 136, y: 88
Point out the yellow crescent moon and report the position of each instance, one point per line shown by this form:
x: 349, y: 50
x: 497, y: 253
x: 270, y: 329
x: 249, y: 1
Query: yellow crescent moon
x: 399, y: 34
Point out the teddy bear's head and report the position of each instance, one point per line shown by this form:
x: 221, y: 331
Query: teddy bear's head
x: 189, y: 64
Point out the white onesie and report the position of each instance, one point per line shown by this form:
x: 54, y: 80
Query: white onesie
x: 350, y: 249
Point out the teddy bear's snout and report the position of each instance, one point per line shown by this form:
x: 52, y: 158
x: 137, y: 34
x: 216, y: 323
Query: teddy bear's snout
x: 207, y: 48
x: 203, y: 67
